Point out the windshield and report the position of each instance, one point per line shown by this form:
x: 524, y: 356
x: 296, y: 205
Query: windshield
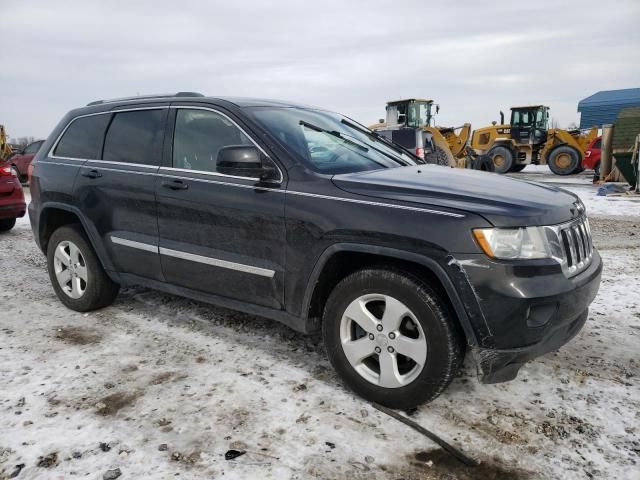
x: 327, y: 142
x: 530, y: 117
x: 541, y: 118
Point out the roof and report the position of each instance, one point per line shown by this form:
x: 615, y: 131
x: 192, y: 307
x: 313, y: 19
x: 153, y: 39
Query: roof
x: 529, y: 106
x: 603, y: 107
x: 195, y: 96
x: 261, y: 102
x: 627, y: 96
x: 410, y: 100
x: 184, y: 98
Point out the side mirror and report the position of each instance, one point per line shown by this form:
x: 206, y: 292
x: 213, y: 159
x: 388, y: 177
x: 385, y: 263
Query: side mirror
x: 244, y: 161
x: 381, y: 120
x: 437, y: 109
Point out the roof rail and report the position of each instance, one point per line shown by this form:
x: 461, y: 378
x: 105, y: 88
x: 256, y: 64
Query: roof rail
x: 145, y: 97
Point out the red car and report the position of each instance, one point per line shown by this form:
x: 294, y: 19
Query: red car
x: 12, y: 204
x: 592, y: 155
x: 20, y: 161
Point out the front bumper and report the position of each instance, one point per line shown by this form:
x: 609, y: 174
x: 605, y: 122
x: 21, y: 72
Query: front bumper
x: 523, y: 311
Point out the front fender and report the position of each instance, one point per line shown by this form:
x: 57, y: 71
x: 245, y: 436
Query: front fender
x: 460, y: 295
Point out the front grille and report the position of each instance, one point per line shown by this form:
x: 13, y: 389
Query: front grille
x: 577, y: 245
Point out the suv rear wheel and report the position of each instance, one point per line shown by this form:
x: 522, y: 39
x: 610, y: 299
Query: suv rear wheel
x: 76, y: 273
x: 391, y: 338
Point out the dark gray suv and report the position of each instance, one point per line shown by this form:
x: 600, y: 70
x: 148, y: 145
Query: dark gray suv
x: 304, y: 216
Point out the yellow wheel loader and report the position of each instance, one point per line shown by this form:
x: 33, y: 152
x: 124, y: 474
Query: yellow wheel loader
x: 5, y: 148
x: 528, y: 140
x: 409, y: 123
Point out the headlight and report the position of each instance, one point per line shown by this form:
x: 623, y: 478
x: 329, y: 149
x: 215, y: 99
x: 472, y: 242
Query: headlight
x: 517, y: 243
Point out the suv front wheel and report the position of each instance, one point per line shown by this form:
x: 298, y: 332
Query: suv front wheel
x: 391, y: 338
x: 76, y: 273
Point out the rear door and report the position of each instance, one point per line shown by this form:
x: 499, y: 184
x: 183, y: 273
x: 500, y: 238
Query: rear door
x: 219, y: 234
x: 116, y: 192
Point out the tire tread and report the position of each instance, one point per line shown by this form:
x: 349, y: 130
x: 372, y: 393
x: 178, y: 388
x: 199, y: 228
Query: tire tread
x: 104, y: 290
x: 441, y: 312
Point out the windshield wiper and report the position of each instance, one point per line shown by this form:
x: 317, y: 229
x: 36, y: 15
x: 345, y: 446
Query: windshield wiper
x: 334, y: 134
x: 381, y: 138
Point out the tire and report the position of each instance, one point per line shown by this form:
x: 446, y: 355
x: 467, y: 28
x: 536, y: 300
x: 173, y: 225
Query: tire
x: 428, y: 323
x: 502, y: 159
x: 99, y: 290
x: 7, y: 224
x: 439, y: 157
x: 518, y: 167
x: 483, y: 163
x: 564, y: 160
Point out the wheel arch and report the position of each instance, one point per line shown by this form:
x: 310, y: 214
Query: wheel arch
x: 55, y: 215
x: 504, y: 142
x: 340, y: 260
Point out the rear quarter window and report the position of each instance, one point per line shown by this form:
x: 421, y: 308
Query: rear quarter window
x: 83, y: 138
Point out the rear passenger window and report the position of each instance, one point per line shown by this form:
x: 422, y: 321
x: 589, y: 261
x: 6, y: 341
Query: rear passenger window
x: 83, y: 138
x: 199, y: 136
x: 135, y: 137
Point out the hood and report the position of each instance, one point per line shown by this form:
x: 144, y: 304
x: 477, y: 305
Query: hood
x: 503, y: 201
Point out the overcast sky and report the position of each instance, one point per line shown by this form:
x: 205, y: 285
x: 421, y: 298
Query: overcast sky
x: 473, y: 57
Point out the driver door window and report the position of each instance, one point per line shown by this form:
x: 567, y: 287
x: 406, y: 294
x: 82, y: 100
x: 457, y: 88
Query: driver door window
x: 199, y: 136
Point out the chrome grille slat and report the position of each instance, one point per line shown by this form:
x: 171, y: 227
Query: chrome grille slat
x: 577, y: 244
x: 580, y: 245
x: 573, y: 260
x: 585, y: 241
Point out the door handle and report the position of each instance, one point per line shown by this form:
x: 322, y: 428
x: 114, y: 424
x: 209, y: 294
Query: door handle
x: 92, y: 174
x: 175, y: 185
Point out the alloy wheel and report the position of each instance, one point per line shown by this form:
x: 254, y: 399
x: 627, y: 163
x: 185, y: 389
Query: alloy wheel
x: 70, y: 269
x: 383, y: 340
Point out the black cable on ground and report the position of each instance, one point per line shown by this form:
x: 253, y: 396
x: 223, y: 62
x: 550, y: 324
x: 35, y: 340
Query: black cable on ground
x: 459, y: 455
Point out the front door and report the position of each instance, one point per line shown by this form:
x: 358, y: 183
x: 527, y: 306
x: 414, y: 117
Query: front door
x: 219, y: 234
x: 521, y: 123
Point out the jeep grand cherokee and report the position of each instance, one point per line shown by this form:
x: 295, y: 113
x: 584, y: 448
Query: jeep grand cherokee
x: 304, y: 216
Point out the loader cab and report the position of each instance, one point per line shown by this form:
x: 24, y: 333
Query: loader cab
x: 529, y: 124
x: 411, y: 113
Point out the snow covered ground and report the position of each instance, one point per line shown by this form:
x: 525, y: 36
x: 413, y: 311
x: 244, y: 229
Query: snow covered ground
x: 161, y: 387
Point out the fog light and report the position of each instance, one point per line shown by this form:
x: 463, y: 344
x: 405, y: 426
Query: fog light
x: 540, y: 315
